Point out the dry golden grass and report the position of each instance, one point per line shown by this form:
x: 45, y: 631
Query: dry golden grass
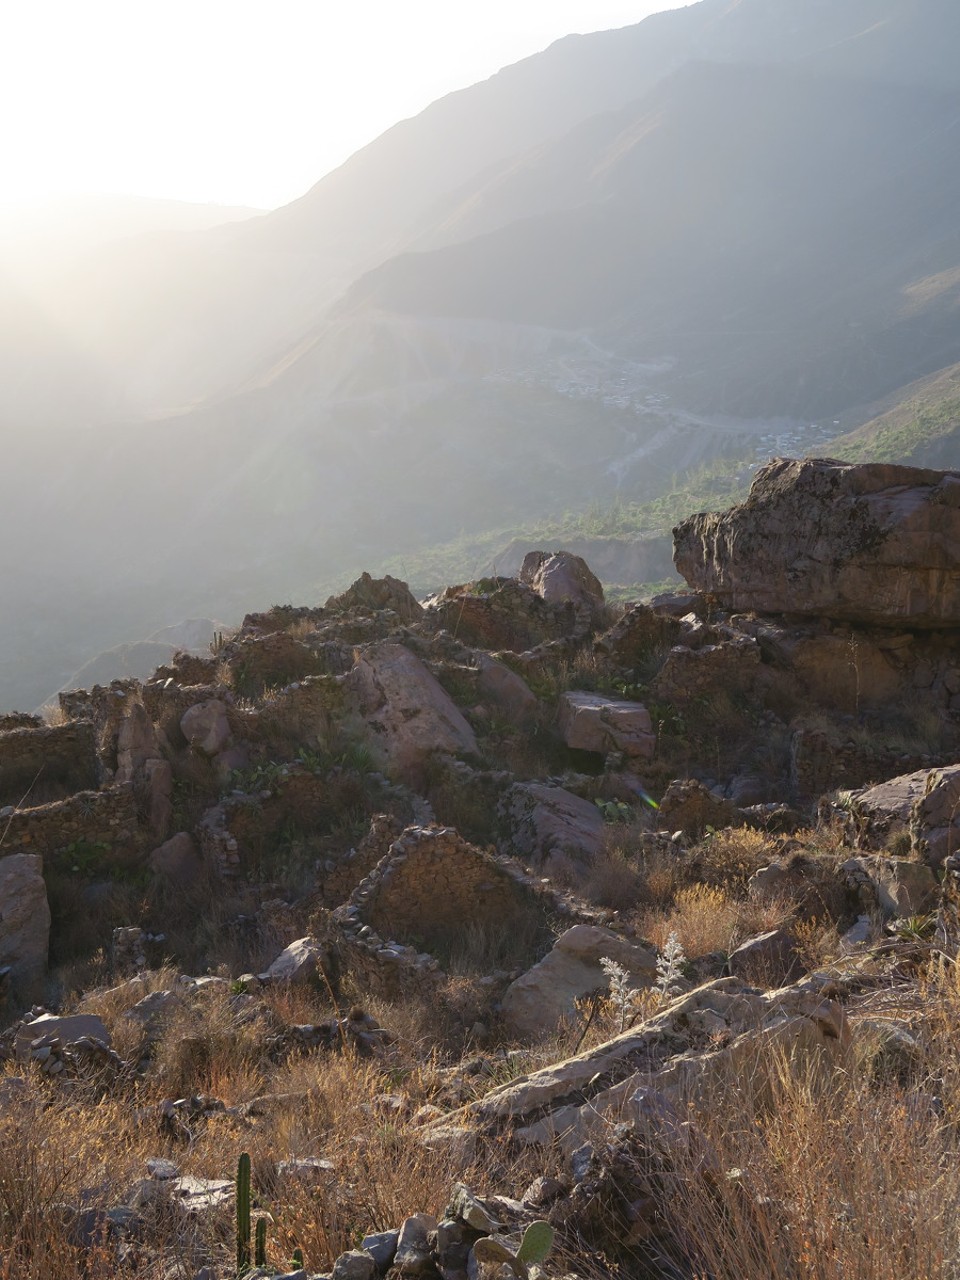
x: 838, y: 1178
x: 703, y: 918
x: 733, y: 855
x: 847, y: 1172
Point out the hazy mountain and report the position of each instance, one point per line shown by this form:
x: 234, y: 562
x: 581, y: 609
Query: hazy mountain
x: 784, y: 266
x: 629, y: 255
x: 174, y: 320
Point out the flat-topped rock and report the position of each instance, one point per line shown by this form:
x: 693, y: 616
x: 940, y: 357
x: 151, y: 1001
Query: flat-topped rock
x: 593, y: 722
x: 876, y: 543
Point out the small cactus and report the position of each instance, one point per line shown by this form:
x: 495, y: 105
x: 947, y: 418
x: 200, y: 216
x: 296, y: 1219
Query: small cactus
x: 260, y: 1252
x: 536, y: 1244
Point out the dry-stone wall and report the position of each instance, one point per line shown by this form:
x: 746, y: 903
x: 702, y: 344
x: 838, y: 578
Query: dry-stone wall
x: 106, y: 818
x: 821, y: 762
x: 433, y: 887
x: 62, y: 757
x: 105, y: 706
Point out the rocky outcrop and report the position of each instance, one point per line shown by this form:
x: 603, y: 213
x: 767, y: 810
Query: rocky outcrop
x: 537, y: 1001
x: 373, y: 594
x: 718, y: 1031
x: 560, y: 577
x: 407, y: 711
x: 547, y: 820
x: 24, y: 920
x: 593, y: 722
x: 876, y: 544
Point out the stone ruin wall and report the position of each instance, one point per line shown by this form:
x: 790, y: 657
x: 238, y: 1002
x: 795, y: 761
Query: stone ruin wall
x: 107, y: 817
x: 443, y: 880
x: 61, y: 756
x: 431, y: 874
x: 819, y: 764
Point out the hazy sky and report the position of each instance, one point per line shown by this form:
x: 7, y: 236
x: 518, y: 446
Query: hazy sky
x: 242, y: 101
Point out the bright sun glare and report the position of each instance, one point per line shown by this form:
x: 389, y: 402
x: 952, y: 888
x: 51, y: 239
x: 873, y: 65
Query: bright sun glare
x: 242, y: 101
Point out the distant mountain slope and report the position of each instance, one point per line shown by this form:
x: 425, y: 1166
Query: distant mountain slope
x: 781, y: 262
x: 175, y: 320
x: 922, y: 428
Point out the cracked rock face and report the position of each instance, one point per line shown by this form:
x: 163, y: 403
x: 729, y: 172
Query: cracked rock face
x: 407, y: 711
x: 719, y: 1030
x: 877, y: 544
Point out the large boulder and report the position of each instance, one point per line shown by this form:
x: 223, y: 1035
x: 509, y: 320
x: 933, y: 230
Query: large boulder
x: 561, y: 577
x: 547, y: 821
x: 593, y: 722
x: 537, y: 1001
x: 299, y: 962
x: 408, y: 713
x: 504, y: 688
x: 24, y: 920
x: 876, y: 544
x: 206, y: 726
x: 177, y: 859
x: 894, y: 886
x: 925, y: 803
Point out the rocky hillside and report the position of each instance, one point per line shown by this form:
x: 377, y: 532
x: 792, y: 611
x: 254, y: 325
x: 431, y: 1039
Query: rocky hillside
x: 507, y: 929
